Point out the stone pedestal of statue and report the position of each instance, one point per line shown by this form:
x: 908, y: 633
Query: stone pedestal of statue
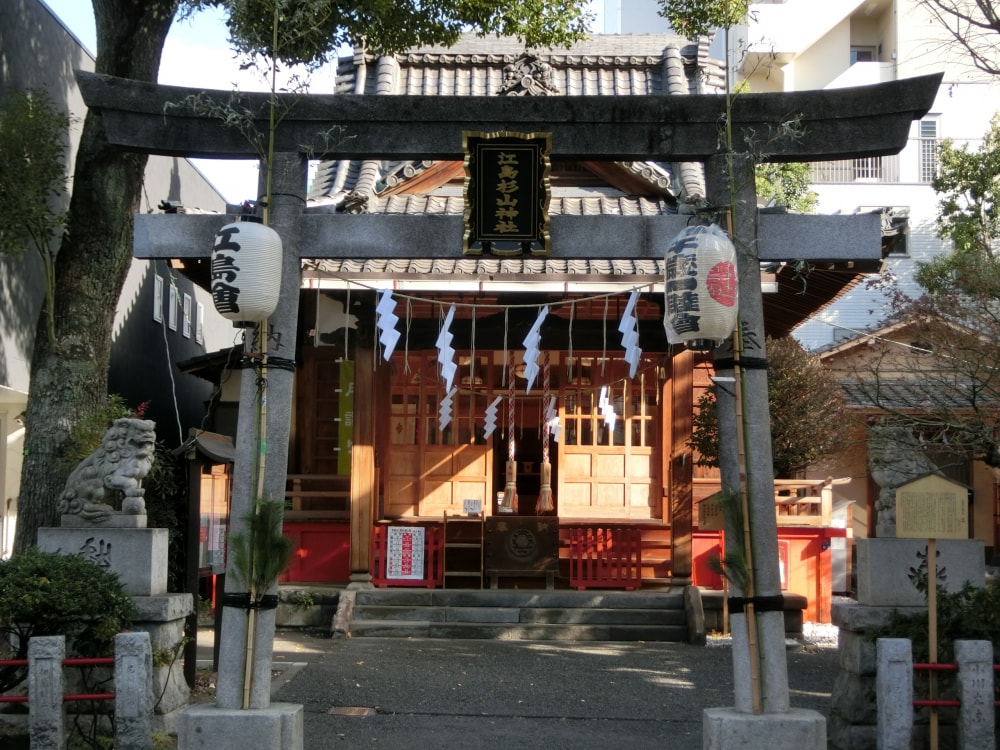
x: 138, y: 556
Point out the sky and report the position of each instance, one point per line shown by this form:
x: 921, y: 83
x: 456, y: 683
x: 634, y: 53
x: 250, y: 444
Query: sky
x: 197, y: 54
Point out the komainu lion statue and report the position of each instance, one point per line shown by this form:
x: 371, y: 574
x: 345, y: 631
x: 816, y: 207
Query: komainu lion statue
x: 119, y: 465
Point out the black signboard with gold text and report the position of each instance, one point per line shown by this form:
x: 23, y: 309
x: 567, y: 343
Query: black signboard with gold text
x: 506, y: 193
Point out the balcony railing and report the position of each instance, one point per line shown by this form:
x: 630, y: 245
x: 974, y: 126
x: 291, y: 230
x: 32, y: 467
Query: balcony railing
x: 874, y: 169
x: 919, y: 161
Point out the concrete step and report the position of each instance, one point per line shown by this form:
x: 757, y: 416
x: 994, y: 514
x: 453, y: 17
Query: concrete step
x: 534, y: 615
x: 520, y: 614
x: 666, y: 599
x: 516, y: 631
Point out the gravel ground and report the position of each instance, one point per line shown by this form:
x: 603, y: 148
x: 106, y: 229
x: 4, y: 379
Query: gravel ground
x: 814, y: 634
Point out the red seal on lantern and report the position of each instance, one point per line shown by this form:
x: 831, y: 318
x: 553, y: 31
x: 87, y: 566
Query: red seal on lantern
x: 721, y: 283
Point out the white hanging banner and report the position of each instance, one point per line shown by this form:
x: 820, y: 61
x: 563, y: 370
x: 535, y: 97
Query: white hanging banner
x: 444, y: 409
x: 552, y: 419
x: 386, y: 323
x: 446, y: 353
x: 490, y: 424
x: 607, y: 409
x: 629, y: 328
x: 532, y: 345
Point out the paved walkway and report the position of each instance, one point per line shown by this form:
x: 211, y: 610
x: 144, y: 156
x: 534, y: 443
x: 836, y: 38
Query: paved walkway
x: 422, y: 693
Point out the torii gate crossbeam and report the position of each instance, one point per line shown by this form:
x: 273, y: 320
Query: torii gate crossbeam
x: 847, y: 123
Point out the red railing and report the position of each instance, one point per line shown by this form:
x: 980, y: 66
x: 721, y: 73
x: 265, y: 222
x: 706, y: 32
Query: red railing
x: 432, y: 575
x: 605, y: 557
x: 103, y: 661
x: 943, y: 702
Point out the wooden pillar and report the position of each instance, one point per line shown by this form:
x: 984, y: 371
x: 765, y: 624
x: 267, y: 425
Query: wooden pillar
x: 680, y: 414
x: 364, y: 492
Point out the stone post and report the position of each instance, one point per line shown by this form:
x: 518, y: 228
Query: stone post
x: 894, y: 693
x: 976, y: 716
x: 46, y: 685
x: 287, y: 201
x: 133, y: 692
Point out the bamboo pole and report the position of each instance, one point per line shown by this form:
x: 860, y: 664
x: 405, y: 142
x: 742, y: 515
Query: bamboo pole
x: 748, y: 593
x: 259, y: 492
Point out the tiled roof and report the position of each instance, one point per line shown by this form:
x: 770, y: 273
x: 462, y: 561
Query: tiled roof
x: 487, y: 266
x: 622, y: 65
x: 592, y: 205
x: 618, y: 65
x: 910, y: 395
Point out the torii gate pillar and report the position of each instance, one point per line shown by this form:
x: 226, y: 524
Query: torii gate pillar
x: 290, y: 177
x: 764, y: 719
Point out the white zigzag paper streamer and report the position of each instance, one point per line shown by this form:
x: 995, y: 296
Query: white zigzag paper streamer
x: 552, y: 419
x: 531, y: 349
x: 387, y: 322
x: 444, y: 410
x: 607, y: 409
x: 446, y: 353
x: 490, y: 424
x: 629, y: 328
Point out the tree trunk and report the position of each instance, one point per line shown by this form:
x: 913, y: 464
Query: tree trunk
x: 69, y: 377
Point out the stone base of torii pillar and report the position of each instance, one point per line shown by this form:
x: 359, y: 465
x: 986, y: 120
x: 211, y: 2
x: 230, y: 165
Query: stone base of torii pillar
x: 794, y: 729
x: 279, y: 726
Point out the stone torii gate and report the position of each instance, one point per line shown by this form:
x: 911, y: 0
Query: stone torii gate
x: 844, y: 123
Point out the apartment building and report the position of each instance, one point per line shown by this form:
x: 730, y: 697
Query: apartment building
x: 798, y: 44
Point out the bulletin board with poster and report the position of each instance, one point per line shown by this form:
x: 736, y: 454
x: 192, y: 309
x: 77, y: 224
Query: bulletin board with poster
x: 214, y: 517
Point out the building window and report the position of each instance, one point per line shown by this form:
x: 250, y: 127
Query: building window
x: 417, y: 390
x: 633, y: 402
x: 158, y: 298
x: 199, y: 323
x: 172, y: 309
x: 863, y: 54
x: 929, y: 136
x: 186, y: 330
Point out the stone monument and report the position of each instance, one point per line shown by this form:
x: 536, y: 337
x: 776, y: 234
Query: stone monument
x: 117, y: 540
x: 887, y: 566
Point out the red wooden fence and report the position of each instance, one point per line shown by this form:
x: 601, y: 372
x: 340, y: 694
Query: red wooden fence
x: 605, y: 557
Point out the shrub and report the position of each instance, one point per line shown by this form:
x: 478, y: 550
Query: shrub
x: 971, y: 613
x: 47, y: 593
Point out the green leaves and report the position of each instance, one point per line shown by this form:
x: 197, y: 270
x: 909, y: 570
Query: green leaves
x: 45, y: 593
x: 694, y: 18
x: 968, y: 183
x: 310, y: 31
x: 32, y: 173
x: 260, y: 552
x: 788, y: 185
x: 809, y: 419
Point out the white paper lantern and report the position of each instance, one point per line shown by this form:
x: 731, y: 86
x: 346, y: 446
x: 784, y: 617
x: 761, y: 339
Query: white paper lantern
x: 701, y: 289
x: 246, y: 271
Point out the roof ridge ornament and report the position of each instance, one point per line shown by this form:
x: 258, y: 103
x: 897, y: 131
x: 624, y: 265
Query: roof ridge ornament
x: 527, y: 76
